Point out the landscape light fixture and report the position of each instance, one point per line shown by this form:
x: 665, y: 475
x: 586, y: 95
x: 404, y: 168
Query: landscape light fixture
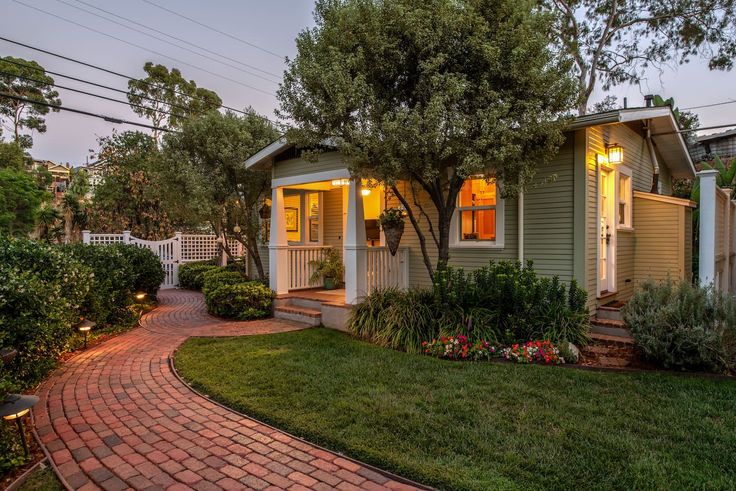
x: 8, y: 355
x: 14, y: 407
x: 615, y: 153
x: 85, y: 326
x: 140, y: 296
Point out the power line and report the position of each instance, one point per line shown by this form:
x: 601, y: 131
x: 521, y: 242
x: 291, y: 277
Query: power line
x: 79, y: 91
x: 117, y: 74
x: 166, y: 41
x: 224, y: 77
x: 109, y: 119
x: 708, y: 105
x: 281, y: 57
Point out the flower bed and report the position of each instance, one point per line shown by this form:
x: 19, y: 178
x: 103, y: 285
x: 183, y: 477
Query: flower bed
x: 459, y: 347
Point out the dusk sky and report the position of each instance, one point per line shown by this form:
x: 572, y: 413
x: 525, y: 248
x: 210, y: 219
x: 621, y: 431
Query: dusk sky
x: 271, y: 25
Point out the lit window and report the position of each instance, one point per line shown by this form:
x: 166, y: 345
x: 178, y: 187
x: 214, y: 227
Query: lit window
x: 313, y: 207
x: 624, y: 200
x: 477, y: 209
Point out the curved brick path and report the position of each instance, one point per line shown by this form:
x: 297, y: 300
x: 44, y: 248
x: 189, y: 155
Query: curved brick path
x: 116, y: 417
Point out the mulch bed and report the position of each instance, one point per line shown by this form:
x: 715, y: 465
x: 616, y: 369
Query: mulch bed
x: 35, y: 451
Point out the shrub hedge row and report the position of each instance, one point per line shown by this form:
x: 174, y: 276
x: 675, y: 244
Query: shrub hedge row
x: 46, y: 290
x: 228, y: 292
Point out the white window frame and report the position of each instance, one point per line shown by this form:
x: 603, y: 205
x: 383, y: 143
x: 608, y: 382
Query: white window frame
x: 623, y: 171
x: 457, y: 243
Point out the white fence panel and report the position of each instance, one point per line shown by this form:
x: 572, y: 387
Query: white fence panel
x: 299, y: 268
x: 385, y: 270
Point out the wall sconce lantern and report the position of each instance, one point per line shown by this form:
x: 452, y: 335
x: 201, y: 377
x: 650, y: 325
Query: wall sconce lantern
x: 14, y: 407
x: 86, y: 326
x: 615, y: 153
x: 365, y: 192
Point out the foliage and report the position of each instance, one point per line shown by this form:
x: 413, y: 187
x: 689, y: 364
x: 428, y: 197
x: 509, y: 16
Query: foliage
x: 191, y: 274
x: 243, y: 301
x: 128, y: 198
x: 613, y: 42
x: 76, y: 206
x: 204, y: 178
x: 20, y: 200
x: 433, y: 92
x: 476, y: 426
x: 680, y: 325
x: 27, y: 80
x: 329, y: 266
x: 164, y: 91
x: 501, y: 303
x: 533, y: 352
x: 459, y: 348
x: 390, y: 217
x: 12, y: 156
x: 147, y: 269
x: 215, y: 278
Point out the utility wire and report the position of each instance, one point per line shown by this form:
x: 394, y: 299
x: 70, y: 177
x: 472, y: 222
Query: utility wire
x: 280, y: 57
x: 224, y: 77
x: 708, y: 105
x: 127, y: 103
x: 139, y: 31
x: 109, y: 119
x: 117, y: 74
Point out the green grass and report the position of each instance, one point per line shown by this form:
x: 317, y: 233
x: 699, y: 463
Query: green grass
x: 42, y: 479
x: 461, y: 425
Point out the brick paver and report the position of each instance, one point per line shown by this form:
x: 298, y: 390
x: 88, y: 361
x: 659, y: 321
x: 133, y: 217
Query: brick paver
x: 117, y: 417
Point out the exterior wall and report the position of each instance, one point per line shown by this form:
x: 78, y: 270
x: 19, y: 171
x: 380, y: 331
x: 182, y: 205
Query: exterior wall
x: 294, y: 167
x: 332, y: 214
x: 661, y: 242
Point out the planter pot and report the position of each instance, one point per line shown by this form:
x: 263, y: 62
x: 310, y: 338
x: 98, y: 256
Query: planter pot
x: 393, y: 235
x: 329, y: 283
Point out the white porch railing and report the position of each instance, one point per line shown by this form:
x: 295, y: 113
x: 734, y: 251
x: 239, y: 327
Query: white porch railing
x: 299, y: 267
x: 385, y: 270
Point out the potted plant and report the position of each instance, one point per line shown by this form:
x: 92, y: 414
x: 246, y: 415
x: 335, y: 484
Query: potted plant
x: 392, y: 223
x: 329, y: 268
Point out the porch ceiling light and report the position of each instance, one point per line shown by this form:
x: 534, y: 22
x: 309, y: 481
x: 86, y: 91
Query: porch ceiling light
x: 340, y: 182
x: 365, y: 192
x: 615, y: 153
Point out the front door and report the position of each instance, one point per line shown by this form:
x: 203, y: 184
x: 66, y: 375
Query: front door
x: 607, y: 232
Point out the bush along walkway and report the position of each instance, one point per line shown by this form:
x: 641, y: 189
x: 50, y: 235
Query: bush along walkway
x: 117, y: 417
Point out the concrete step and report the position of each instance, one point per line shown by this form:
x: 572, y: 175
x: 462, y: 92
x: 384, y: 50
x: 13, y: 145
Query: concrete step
x: 608, y: 338
x: 610, y: 313
x: 297, y: 313
x: 610, y: 327
x: 295, y: 300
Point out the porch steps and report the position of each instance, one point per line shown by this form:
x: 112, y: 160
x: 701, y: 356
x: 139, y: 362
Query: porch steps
x: 313, y: 308
x: 609, y: 321
x: 298, y: 313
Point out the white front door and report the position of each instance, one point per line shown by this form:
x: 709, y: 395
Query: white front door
x: 607, y: 232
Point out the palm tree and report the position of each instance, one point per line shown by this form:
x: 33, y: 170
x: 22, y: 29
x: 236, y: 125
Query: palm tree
x: 48, y: 223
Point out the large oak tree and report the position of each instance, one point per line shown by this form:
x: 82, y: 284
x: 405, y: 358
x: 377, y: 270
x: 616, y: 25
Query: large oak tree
x: 433, y: 92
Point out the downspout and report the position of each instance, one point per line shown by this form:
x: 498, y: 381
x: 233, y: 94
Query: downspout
x: 521, y: 227
x: 653, y: 156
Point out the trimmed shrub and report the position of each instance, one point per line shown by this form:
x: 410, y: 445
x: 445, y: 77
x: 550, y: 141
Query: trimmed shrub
x: 190, y: 275
x: 214, y: 278
x: 679, y: 325
x: 147, y: 268
x: 243, y: 301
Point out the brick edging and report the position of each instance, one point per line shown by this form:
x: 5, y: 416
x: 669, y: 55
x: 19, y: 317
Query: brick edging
x: 383, y: 472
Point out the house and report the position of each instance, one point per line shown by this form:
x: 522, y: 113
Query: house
x: 601, y: 213
x: 722, y: 144
x: 95, y: 175
x: 60, y: 175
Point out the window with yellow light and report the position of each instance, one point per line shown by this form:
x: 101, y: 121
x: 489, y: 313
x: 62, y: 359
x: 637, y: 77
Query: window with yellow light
x: 477, y: 209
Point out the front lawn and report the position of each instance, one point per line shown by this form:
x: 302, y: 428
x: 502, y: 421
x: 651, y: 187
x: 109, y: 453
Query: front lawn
x: 462, y: 425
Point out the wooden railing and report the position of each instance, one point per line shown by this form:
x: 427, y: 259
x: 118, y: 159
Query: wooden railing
x: 299, y: 268
x: 385, y: 270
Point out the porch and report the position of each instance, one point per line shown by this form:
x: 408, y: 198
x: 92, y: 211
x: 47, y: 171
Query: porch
x: 313, y: 213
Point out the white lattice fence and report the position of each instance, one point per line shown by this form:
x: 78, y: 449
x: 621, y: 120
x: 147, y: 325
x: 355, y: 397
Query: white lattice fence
x: 182, y: 248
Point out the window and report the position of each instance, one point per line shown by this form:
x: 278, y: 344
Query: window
x: 477, y: 210
x: 313, y: 217
x: 624, y: 198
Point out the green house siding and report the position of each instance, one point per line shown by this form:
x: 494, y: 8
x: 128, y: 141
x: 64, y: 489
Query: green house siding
x: 332, y: 214
x: 327, y: 161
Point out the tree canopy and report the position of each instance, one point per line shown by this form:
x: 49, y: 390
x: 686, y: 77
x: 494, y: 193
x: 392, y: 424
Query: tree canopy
x: 28, y: 80
x: 614, y: 41
x: 433, y: 92
x: 166, y: 98
x: 207, y: 156
x: 20, y: 199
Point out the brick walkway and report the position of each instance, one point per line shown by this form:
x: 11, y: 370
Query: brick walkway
x: 116, y: 417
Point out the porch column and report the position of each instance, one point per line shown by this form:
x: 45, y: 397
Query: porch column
x: 278, y: 245
x: 354, y: 246
x: 708, y: 189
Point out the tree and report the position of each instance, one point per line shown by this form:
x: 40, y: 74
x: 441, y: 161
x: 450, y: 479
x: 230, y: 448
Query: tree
x: 613, y: 41
x: 49, y: 220
x: 164, y: 91
x: 128, y: 198
x: 20, y: 199
x: 26, y: 79
x: 208, y: 155
x: 430, y: 92
x: 12, y: 156
x: 686, y: 120
x: 75, y: 206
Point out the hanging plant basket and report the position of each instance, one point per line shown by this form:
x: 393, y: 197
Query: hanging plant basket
x: 392, y: 223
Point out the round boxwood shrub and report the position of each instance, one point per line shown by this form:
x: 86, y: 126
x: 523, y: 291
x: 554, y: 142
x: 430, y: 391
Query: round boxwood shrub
x: 217, y: 277
x: 190, y: 275
x: 679, y: 325
x: 243, y: 301
x: 147, y: 268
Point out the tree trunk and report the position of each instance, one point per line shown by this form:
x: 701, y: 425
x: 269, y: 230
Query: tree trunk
x: 252, y: 248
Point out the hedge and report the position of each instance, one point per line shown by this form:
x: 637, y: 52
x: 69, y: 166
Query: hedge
x: 243, y: 301
x: 191, y: 275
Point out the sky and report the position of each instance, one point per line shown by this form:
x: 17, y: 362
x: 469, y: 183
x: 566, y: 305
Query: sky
x: 256, y: 32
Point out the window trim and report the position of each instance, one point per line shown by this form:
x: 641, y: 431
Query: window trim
x: 629, y: 219
x: 456, y: 243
